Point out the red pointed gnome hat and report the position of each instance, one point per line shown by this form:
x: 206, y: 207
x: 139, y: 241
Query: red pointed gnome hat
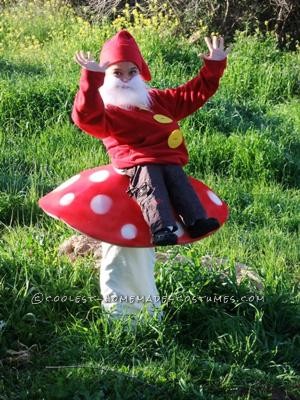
x: 123, y: 47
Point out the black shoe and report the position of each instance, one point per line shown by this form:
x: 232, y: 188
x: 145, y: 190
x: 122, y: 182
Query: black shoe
x: 164, y: 237
x: 202, y: 226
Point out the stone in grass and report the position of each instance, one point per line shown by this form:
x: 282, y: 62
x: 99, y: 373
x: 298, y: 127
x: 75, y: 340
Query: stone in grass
x: 19, y: 357
x: 2, y: 325
x: 80, y: 246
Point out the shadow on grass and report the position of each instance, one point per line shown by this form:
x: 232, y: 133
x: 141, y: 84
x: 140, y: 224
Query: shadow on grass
x: 97, y: 353
x: 222, y: 327
x: 227, y: 116
x: 10, y: 69
x: 78, y: 369
x: 16, y: 207
x: 90, y: 383
x: 246, y: 141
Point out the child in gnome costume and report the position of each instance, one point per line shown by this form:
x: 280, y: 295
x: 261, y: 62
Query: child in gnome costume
x: 139, y: 128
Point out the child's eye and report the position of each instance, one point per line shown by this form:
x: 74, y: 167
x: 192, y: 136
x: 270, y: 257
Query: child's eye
x: 117, y: 73
x: 133, y: 72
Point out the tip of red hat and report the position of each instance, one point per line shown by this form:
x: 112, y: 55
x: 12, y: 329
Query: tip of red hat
x: 123, y: 47
x: 125, y: 34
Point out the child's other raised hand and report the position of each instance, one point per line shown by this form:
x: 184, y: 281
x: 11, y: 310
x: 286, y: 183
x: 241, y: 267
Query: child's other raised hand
x: 215, y: 45
x: 85, y: 60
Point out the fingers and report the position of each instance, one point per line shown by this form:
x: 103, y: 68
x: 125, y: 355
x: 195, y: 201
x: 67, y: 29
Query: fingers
x: 82, y: 58
x: 221, y: 47
x: 215, y: 42
x: 78, y: 59
x: 86, y: 56
x: 203, y: 56
x: 209, y: 44
x: 82, y: 55
x: 215, y: 45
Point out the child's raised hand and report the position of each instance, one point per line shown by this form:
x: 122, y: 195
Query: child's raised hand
x: 85, y: 60
x: 216, y: 49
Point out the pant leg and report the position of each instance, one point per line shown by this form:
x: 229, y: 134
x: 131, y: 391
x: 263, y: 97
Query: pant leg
x: 148, y: 187
x: 182, y: 195
x: 125, y: 272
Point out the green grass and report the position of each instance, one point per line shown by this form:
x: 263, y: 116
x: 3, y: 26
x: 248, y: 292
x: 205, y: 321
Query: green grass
x: 245, y: 143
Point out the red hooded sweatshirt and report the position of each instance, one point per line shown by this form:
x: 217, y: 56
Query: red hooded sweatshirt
x: 137, y: 136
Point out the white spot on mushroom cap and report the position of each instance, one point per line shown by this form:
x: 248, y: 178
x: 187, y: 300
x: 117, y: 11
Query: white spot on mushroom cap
x: 180, y: 230
x: 99, y: 176
x: 66, y: 199
x: 67, y: 183
x: 129, y: 231
x: 214, y: 198
x: 101, y: 204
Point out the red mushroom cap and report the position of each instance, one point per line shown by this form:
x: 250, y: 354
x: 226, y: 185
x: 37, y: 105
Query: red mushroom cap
x: 95, y: 203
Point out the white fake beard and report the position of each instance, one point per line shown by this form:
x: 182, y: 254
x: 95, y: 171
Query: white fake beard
x: 134, y: 93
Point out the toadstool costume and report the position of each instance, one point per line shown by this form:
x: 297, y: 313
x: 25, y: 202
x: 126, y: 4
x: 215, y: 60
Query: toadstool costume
x: 95, y: 201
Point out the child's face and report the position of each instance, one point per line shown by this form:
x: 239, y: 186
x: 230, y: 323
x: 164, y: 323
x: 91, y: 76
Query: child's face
x: 124, y: 70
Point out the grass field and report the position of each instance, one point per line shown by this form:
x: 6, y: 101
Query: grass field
x: 245, y: 144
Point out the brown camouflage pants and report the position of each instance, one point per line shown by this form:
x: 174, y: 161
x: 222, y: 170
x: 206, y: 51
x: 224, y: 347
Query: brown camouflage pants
x: 158, y: 187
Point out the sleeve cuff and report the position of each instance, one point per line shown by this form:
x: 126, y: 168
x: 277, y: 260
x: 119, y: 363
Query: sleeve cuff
x: 215, y: 67
x: 92, y: 77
